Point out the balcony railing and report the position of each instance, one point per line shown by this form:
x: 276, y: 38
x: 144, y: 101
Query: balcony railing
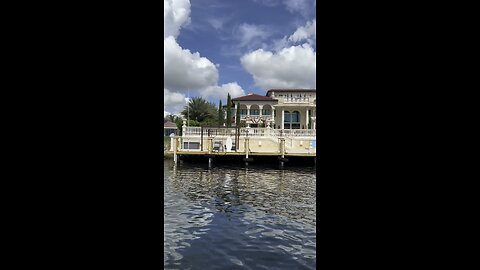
x: 256, y: 117
x: 252, y: 132
x: 296, y: 100
x: 294, y: 132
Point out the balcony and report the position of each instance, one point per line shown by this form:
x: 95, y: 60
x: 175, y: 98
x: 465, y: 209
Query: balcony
x: 255, y: 117
x: 252, y: 132
x: 302, y: 100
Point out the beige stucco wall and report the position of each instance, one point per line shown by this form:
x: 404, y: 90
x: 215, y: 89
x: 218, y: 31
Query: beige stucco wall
x: 300, y: 109
x: 280, y: 104
x: 267, y: 145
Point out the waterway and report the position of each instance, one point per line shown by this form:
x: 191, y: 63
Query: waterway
x: 231, y: 217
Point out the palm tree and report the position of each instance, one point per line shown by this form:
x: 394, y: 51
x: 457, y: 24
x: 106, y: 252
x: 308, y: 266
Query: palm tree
x: 172, y: 117
x: 199, y: 109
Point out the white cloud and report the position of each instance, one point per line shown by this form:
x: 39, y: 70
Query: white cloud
x: 220, y: 92
x: 252, y: 35
x: 218, y: 22
x: 307, y: 33
x: 173, y: 101
x: 304, y: 7
x: 292, y: 67
x: 280, y: 44
x: 176, y: 13
x: 270, y: 3
x: 184, y: 70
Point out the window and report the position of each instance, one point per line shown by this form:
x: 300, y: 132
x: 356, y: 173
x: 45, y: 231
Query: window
x: 191, y: 145
x: 295, y: 117
x: 243, y: 112
x: 292, y: 120
x: 286, y: 117
x: 254, y: 112
x: 266, y: 112
x: 295, y: 120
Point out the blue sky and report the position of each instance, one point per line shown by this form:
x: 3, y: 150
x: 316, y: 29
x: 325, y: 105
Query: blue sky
x: 213, y: 47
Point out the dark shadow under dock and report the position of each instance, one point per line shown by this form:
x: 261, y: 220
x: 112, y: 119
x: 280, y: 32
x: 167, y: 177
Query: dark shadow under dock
x: 253, y: 160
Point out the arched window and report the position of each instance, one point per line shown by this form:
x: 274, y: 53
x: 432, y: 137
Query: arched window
x: 254, y: 112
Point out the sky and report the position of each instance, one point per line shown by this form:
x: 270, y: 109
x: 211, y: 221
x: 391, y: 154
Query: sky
x: 215, y: 47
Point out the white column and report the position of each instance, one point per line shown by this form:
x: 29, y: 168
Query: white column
x: 184, y: 128
x: 283, y: 118
x: 248, y: 114
x: 260, y: 108
x: 273, y: 116
x: 234, y: 114
x: 306, y: 118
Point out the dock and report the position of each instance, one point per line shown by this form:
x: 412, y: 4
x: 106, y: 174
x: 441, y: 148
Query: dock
x: 212, y: 142
x: 199, y: 153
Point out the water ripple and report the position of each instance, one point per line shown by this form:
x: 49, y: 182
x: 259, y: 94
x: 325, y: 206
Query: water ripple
x: 238, y: 218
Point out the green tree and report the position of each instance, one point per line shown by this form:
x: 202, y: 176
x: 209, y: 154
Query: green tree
x: 172, y: 117
x: 210, y: 122
x: 220, y: 114
x: 229, y: 110
x: 199, y: 109
x: 179, y: 123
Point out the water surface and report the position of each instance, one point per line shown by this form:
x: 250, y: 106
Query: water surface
x: 239, y: 218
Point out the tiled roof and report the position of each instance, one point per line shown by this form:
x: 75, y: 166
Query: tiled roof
x: 254, y: 97
x: 169, y: 124
x: 291, y: 90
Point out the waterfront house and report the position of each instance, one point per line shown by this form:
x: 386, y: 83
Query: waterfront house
x: 169, y: 128
x: 282, y: 122
x: 279, y: 109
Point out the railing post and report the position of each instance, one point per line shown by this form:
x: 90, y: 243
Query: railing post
x: 184, y: 128
x: 210, y: 145
x: 282, y: 151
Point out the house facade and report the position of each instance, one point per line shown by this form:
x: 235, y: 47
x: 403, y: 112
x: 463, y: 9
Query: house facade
x: 278, y: 109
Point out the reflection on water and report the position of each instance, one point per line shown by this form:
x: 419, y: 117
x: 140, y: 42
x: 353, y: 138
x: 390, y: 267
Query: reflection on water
x: 239, y: 218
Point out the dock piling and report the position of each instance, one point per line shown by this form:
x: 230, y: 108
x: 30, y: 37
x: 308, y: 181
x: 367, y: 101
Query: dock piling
x: 175, y: 151
x: 210, y: 148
